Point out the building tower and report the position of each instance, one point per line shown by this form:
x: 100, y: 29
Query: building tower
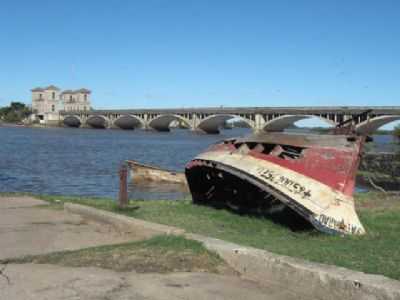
x: 46, y: 104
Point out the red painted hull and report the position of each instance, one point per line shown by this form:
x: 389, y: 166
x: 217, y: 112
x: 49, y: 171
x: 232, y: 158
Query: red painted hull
x: 312, y: 174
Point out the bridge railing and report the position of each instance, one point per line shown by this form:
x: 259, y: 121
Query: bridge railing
x: 390, y: 110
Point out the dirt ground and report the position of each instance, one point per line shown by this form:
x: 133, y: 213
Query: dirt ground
x: 29, y: 227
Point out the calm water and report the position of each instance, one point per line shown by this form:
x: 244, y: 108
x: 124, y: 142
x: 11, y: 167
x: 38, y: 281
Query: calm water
x: 84, y: 162
x: 69, y: 161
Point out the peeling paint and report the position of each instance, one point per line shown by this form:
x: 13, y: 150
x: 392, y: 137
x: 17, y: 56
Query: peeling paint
x: 314, y: 175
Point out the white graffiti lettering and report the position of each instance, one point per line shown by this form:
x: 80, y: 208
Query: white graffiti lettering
x: 289, y: 184
x: 338, y: 225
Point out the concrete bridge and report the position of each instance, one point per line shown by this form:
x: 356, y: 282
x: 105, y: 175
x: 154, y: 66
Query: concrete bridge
x: 209, y: 120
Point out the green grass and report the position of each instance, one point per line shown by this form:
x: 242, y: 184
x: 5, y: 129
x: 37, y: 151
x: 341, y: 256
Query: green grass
x: 161, y: 254
x: 377, y: 252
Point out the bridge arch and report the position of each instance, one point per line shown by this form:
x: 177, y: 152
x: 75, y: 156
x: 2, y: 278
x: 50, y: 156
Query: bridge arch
x: 285, y: 121
x: 72, y: 121
x: 371, y: 125
x: 129, y: 122
x: 163, y: 122
x: 98, y: 121
x: 211, y: 124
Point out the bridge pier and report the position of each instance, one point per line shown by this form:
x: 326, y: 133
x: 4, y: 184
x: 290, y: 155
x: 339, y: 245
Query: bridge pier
x: 259, y: 123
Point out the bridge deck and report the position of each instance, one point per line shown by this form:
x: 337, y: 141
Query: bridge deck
x: 387, y: 110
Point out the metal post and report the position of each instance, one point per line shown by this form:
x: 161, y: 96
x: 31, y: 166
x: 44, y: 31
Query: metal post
x: 123, y: 186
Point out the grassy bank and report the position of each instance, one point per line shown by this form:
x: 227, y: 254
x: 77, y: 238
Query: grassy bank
x: 161, y: 254
x: 376, y: 252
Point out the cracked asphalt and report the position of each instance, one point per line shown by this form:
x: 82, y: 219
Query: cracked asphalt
x: 27, y: 227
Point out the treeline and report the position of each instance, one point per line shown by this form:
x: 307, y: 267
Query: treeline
x: 15, y: 113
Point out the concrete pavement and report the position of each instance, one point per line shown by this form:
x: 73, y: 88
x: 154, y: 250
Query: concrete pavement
x: 28, y: 227
x: 33, y: 282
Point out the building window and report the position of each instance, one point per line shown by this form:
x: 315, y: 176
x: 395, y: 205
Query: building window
x: 70, y: 97
x: 53, y: 108
x: 84, y: 108
x: 40, y: 96
x: 85, y: 97
x: 54, y: 95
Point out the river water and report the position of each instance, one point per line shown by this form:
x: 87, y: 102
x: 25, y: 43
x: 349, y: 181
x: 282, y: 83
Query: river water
x: 84, y: 162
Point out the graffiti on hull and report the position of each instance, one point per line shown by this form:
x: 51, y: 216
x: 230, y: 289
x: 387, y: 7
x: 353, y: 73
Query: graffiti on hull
x: 332, y: 223
x: 285, y: 182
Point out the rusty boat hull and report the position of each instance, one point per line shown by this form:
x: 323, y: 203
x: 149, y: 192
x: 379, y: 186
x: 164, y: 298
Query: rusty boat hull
x: 145, y: 173
x: 313, y: 175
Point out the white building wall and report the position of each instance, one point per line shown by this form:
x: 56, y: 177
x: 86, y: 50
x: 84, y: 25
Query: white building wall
x: 48, y: 102
x: 78, y: 102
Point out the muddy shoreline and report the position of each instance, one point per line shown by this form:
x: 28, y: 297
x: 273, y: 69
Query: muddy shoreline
x: 382, y: 168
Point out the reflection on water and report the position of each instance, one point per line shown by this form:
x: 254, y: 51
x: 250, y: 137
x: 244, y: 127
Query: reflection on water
x: 84, y: 162
x: 384, y: 143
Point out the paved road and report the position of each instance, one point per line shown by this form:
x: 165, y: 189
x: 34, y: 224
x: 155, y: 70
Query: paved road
x: 28, y: 227
x: 54, y: 282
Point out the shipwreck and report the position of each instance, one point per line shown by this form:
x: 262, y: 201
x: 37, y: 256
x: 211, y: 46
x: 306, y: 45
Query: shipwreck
x: 145, y: 173
x: 311, y: 174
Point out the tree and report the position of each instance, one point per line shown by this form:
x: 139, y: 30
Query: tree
x: 17, y: 106
x: 14, y: 113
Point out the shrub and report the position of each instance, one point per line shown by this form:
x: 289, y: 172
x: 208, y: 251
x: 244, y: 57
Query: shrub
x: 396, y: 132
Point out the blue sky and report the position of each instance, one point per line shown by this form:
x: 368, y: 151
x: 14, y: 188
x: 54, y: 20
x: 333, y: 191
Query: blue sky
x: 182, y: 53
